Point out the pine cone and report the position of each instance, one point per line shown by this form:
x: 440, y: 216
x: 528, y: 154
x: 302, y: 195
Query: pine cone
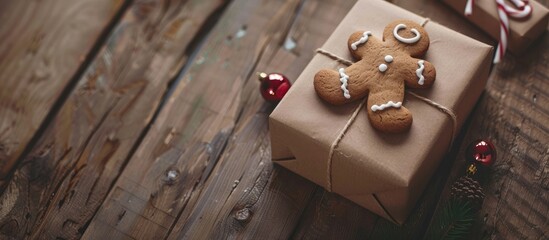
x: 468, y: 189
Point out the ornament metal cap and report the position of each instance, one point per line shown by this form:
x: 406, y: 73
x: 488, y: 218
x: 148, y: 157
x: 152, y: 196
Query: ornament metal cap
x: 261, y: 76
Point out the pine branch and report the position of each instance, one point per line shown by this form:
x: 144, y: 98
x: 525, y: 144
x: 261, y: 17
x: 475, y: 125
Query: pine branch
x: 454, y: 222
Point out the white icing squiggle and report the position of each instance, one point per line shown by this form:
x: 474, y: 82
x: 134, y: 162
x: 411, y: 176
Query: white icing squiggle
x: 386, y: 105
x: 362, y: 40
x: 419, y: 72
x: 344, y: 78
x: 403, y: 39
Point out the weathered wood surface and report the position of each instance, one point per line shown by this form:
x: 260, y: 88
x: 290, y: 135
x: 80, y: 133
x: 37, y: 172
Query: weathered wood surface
x: 514, y: 114
x: 59, y: 186
x: 43, y: 46
x: 203, y: 168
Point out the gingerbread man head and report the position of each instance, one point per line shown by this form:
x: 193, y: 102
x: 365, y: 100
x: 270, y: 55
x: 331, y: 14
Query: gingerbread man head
x: 383, y: 69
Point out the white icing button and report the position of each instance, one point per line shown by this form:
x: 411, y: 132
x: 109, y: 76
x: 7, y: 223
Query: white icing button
x: 382, y: 67
x: 388, y: 58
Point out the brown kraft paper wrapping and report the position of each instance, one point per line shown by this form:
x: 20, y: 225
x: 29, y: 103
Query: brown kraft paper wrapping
x: 522, y: 31
x: 384, y: 173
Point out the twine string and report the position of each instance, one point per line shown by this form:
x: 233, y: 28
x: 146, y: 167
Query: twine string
x: 338, y: 139
x: 425, y: 21
x: 443, y: 109
x: 334, y: 57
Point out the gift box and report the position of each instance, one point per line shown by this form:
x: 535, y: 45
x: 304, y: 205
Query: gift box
x: 522, y: 32
x: 336, y: 146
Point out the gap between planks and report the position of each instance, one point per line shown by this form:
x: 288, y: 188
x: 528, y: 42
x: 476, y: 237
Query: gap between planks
x: 59, y: 222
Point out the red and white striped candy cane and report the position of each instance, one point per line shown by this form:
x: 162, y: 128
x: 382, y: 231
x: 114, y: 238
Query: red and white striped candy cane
x: 469, y: 7
x: 504, y: 12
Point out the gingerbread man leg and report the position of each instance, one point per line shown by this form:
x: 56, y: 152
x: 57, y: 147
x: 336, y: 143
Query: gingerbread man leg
x: 386, y: 112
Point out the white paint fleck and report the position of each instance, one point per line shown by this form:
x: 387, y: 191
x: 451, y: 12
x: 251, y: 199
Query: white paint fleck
x: 200, y: 60
x: 242, y: 214
x: 241, y: 33
x: 289, y: 44
x: 236, y: 183
x: 172, y: 174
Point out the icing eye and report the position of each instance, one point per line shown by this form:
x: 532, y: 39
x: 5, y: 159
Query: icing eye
x: 403, y: 39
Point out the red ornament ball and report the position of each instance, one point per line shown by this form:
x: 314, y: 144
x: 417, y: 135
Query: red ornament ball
x: 482, y: 152
x: 273, y: 86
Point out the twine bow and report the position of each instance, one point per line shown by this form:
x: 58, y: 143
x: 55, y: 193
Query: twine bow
x: 504, y: 12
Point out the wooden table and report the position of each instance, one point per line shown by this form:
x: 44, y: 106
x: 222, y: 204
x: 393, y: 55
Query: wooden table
x: 142, y: 120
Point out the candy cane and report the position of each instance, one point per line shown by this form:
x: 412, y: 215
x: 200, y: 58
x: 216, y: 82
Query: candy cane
x: 469, y: 7
x: 504, y: 12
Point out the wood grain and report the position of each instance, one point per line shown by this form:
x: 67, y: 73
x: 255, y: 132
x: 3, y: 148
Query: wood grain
x: 330, y: 216
x: 259, y: 207
x: 513, y: 114
x: 44, y: 44
x: 57, y: 189
x: 212, y: 136
x: 203, y: 168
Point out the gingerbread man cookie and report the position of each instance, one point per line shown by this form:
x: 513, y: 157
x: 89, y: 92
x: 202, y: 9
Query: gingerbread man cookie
x: 383, y: 69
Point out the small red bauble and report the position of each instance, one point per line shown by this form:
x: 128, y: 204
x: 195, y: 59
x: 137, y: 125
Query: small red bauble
x: 273, y: 86
x: 482, y: 152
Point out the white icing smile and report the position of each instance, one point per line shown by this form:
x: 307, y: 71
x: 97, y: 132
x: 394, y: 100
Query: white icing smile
x: 419, y: 72
x: 362, y: 40
x: 344, y: 78
x: 403, y: 39
x: 386, y: 105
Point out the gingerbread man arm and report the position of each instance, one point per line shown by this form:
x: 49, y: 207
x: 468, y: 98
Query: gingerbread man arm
x: 351, y: 83
x: 418, y: 73
x: 363, y: 44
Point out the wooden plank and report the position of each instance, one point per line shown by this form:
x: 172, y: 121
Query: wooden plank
x: 514, y: 114
x: 205, y: 165
x: 260, y: 207
x: 43, y: 46
x: 58, y: 188
x: 330, y: 216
